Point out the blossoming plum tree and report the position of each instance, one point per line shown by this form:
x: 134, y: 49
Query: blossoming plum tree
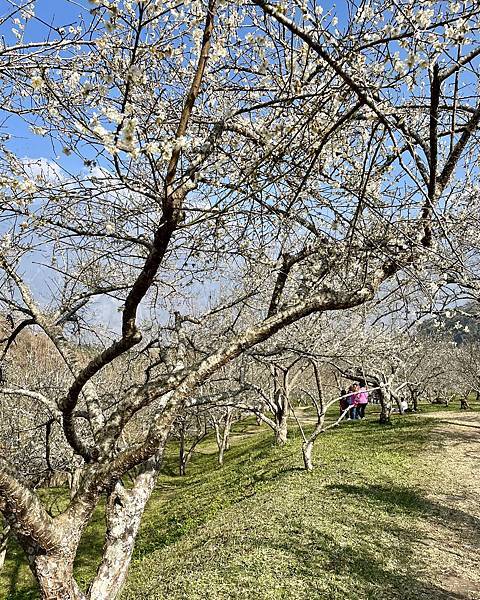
x: 310, y: 153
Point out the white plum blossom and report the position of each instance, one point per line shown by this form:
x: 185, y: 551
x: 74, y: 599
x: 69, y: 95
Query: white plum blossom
x: 423, y: 17
x: 112, y: 113
x: 5, y: 242
x: 98, y: 129
x: 128, y: 134
x: 136, y: 74
x: 37, y: 82
x: 152, y: 148
x: 38, y: 130
x: 27, y: 185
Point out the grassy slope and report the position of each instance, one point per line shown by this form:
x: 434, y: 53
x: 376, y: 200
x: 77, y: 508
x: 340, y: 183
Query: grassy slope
x: 263, y: 528
x: 273, y: 531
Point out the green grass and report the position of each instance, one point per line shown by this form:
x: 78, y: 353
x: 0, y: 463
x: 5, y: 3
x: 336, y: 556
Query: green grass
x: 261, y: 527
x: 274, y: 531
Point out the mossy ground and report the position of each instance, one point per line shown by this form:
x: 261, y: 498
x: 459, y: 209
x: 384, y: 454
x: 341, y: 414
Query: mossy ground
x: 261, y: 527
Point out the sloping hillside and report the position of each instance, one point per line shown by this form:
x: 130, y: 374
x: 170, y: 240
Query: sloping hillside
x: 262, y: 528
x: 461, y: 325
x: 367, y: 523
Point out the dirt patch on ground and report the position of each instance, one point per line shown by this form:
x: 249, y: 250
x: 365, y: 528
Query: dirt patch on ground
x: 451, y: 542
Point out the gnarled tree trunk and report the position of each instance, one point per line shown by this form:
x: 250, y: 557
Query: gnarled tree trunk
x: 281, y: 429
x: 464, y: 405
x: 386, y: 404
x: 4, y: 533
x: 53, y: 569
x: 54, y: 573
x: 307, y: 449
x: 222, y: 435
x: 124, y: 512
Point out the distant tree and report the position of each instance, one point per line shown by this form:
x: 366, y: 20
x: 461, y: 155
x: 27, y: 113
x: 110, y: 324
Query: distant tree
x: 190, y: 427
x: 222, y: 422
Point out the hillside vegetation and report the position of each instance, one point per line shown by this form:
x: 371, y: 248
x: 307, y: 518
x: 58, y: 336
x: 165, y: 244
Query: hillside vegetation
x: 260, y: 527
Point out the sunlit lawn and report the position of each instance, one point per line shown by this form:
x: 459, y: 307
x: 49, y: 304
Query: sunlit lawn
x: 260, y: 527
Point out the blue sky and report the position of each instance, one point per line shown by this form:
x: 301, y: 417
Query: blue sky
x: 58, y: 13
x: 55, y: 12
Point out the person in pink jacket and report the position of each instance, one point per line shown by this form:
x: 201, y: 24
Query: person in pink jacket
x: 361, y: 398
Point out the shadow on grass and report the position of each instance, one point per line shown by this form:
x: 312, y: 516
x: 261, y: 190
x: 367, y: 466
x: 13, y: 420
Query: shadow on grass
x: 457, y: 434
x: 203, y: 492
x: 373, y: 575
x: 398, y: 499
x: 368, y: 566
x: 13, y: 570
x: 379, y: 563
x: 375, y: 556
x: 395, y: 498
x: 404, y: 434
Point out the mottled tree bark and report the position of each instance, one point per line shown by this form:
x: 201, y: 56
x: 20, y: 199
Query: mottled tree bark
x: 281, y: 430
x: 222, y: 436
x: 52, y: 562
x: 4, y: 533
x: 386, y: 405
x: 124, y: 512
x: 280, y: 404
x: 54, y: 574
x: 307, y: 449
